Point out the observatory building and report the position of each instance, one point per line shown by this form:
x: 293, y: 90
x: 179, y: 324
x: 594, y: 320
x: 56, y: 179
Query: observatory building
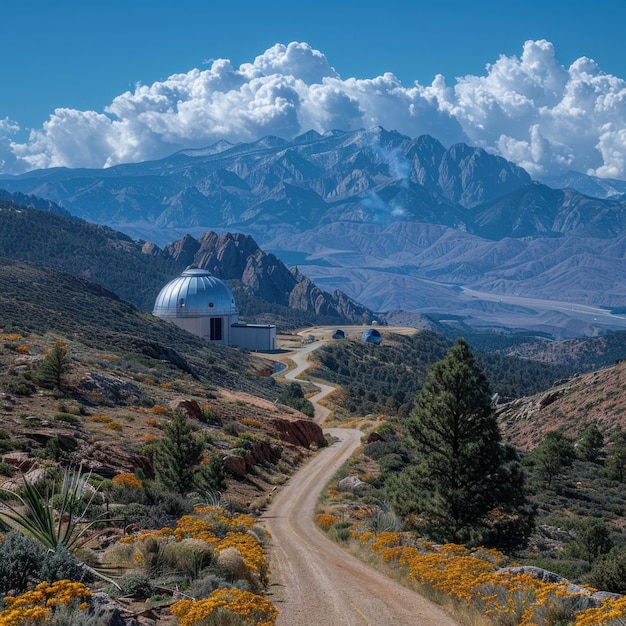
x: 204, y: 305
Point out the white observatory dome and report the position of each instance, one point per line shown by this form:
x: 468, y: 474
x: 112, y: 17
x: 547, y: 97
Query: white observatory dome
x: 195, y: 293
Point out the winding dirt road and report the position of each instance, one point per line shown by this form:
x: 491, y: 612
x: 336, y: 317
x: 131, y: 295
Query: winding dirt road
x: 314, y: 582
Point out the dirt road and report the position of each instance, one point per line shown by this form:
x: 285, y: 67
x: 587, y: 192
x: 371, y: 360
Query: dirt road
x: 314, y: 582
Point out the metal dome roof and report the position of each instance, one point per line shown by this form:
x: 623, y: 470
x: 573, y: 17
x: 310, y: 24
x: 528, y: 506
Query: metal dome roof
x: 195, y: 293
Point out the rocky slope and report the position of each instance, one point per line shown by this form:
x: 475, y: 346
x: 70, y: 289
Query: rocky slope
x: 571, y: 405
x: 128, y: 369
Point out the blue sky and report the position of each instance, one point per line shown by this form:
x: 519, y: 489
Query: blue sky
x: 82, y: 56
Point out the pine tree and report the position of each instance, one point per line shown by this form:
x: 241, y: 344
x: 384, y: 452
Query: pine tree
x: 591, y: 444
x: 616, y: 458
x: 178, y: 455
x: 463, y: 474
x: 55, y: 365
x: 553, y: 454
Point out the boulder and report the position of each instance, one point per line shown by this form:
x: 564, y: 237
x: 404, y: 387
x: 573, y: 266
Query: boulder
x: 351, y: 484
x: 22, y: 461
x: 299, y: 432
x: 235, y: 465
x: 191, y: 408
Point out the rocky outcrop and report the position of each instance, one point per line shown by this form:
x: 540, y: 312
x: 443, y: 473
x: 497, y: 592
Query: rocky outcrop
x: 111, y: 389
x: 299, y: 432
x: 351, y: 484
x: 260, y: 453
x: 183, y: 250
x: 235, y: 256
x: 191, y: 408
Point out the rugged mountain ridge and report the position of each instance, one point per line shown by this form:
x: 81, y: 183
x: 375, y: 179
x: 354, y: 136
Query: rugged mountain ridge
x: 234, y: 256
x: 393, y: 222
x: 368, y: 175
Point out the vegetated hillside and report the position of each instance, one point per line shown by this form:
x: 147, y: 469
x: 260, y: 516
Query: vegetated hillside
x: 129, y: 369
x: 597, y: 397
x: 136, y: 271
x: 585, y: 354
x: 94, y: 252
x: 163, y: 428
x: 385, y: 378
x: 46, y: 302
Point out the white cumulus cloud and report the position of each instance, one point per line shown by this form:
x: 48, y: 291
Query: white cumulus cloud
x: 530, y: 109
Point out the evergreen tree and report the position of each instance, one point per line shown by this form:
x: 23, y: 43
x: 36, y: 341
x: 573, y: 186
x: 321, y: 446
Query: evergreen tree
x: 591, y: 444
x: 178, y: 455
x: 553, y: 454
x: 616, y: 457
x: 593, y: 539
x: 55, y: 365
x: 464, y: 478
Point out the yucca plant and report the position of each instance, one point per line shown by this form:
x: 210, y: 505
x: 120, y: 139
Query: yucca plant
x: 57, y: 517
x: 54, y: 517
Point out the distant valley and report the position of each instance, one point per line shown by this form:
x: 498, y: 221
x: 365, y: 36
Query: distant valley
x: 394, y: 223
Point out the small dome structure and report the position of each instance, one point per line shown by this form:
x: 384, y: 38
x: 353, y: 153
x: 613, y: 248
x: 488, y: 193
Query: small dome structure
x: 371, y: 336
x: 200, y: 304
x: 195, y: 293
x: 203, y: 305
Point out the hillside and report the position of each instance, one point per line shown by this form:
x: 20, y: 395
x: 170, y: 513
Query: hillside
x: 384, y: 379
x: 570, y: 404
x: 136, y: 271
x: 128, y: 370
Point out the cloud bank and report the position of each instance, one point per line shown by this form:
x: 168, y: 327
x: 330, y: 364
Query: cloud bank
x: 529, y: 109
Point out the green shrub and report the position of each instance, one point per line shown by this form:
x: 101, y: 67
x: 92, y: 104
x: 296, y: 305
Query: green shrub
x: 609, y: 572
x: 61, y: 565
x: 6, y: 469
x: 66, y: 417
x: 19, y: 386
x: 189, y: 556
x: 74, y: 616
x: 391, y: 463
x: 204, y: 587
x: 20, y: 557
x: 135, y: 585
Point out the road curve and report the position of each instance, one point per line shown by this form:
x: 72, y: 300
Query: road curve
x: 314, y: 581
x: 301, y: 362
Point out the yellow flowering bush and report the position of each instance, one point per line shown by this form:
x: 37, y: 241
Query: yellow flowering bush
x: 220, y: 530
x: 99, y: 418
x: 250, y: 549
x: 479, y: 581
x: 222, y: 604
x: 612, y: 612
x: 325, y: 520
x: 128, y: 480
x: 252, y: 422
x: 36, y: 606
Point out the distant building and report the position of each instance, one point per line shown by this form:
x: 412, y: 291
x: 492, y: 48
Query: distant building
x: 371, y: 335
x: 203, y: 305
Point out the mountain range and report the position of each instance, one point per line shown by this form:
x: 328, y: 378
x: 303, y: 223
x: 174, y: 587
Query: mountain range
x: 395, y: 223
